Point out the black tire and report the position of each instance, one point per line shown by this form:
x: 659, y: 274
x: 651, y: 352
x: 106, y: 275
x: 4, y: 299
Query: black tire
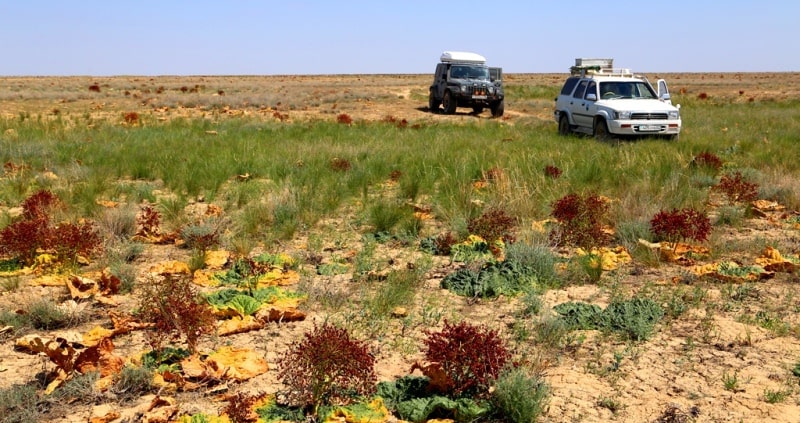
x: 601, y: 130
x: 449, y: 103
x: 433, y: 103
x: 498, y: 108
x: 477, y: 110
x: 563, y: 125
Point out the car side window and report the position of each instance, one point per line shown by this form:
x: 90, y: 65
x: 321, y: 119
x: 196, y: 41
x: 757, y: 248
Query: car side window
x: 569, y: 85
x: 591, y: 89
x: 581, y: 90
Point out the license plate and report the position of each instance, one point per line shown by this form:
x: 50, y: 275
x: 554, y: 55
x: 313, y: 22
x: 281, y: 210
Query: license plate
x: 479, y: 97
x: 649, y: 128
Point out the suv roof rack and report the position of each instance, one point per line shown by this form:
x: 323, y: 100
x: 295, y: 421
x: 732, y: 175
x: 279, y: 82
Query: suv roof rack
x: 462, y: 57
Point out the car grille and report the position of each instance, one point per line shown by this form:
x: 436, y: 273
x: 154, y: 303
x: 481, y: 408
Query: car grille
x: 478, y: 89
x: 648, y: 116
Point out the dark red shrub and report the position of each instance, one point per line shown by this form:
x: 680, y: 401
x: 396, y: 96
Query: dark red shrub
x: 327, y: 367
x: 736, y: 188
x: 340, y: 165
x: 344, y: 118
x: 580, y: 221
x: 493, y: 225
x: 680, y: 225
x: 707, y: 160
x: 175, y: 309
x: 131, y: 118
x: 94, y: 88
x: 22, y: 239
x: 40, y: 205
x: 552, y: 171
x: 70, y: 240
x: 471, y: 357
x: 702, y: 96
x: 444, y: 243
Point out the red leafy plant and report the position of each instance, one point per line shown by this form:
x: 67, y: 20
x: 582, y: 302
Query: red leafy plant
x: 736, y: 188
x: 327, y: 367
x: 35, y: 233
x: 552, y: 172
x: 344, y: 119
x: 340, y: 165
x: 680, y: 225
x: 175, y: 309
x: 148, y: 221
x: 493, y: 225
x: 468, y: 357
x: 707, y: 160
x: 580, y: 220
x: 444, y: 243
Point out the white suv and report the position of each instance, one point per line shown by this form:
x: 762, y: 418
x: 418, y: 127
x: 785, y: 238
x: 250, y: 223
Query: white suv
x: 605, y: 102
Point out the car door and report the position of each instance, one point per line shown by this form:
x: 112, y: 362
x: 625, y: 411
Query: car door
x: 579, y: 106
x: 663, y: 92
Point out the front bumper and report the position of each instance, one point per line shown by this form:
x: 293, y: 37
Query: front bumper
x: 644, y: 127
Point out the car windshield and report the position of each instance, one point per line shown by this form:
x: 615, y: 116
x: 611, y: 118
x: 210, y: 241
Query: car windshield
x: 625, y: 89
x: 469, y: 72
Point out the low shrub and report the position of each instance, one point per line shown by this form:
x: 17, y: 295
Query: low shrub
x: 493, y: 225
x: 736, y: 189
x: 520, y: 397
x: 680, y: 225
x: 471, y: 357
x: 175, y: 309
x: 326, y: 367
x: 580, y: 221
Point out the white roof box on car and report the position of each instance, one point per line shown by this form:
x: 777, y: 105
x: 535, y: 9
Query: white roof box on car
x: 462, y: 57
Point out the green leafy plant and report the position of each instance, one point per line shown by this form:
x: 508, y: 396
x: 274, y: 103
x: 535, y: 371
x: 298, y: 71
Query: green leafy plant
x: 492, y: 279
x: 175, y: 309
x: 580, y: 220
x: 326, y: 367
x: 471, y: 357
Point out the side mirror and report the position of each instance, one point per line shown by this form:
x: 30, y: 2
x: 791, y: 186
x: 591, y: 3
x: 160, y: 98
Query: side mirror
x: 666, y: 97
x: 591, y: 97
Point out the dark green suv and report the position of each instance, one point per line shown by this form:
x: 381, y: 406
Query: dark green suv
x: 462, y: 79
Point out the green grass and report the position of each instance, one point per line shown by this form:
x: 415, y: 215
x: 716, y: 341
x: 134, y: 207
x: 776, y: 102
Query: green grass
x: 292, y: 182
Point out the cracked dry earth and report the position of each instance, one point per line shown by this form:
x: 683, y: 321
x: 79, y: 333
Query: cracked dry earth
x: 684, y: 372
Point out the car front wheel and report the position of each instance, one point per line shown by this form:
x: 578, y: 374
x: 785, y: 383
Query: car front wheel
x: 601, y: 130
x: 449, y: 103
x: 498, y: 108
x: 563, y: 125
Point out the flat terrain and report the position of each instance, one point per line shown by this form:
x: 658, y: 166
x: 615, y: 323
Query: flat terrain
x: 718, y: 362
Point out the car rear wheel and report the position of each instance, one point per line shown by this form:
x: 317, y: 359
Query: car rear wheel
x: 601, y: 130
x: 563, y: 125
x: 448, y: 103
x: 433, y: 103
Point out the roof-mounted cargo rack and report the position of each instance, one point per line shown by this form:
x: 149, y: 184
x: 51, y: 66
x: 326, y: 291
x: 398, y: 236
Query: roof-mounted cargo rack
x: 462, y: 57
x: 604, y: 67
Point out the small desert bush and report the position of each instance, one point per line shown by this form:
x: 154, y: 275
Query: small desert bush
x: 326, y: 367
x: 132, y: 382
x: 470, y: 356
x: 633, y: 319
x: 45, y: 314
x: 20, y: 404
x: 581, y: 220
x: 520, y: 397
x: 175, y: 308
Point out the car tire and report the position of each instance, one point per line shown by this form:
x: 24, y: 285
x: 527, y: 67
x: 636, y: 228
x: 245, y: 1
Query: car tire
x: 563, y: 125
x: 498, y: 108
x: 433, y: 103
x: 601, y: 130
x: 449, y: 103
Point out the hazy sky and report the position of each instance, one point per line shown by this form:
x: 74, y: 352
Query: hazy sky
x: 248, y: 37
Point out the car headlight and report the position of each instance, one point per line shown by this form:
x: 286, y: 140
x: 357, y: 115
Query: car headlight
x: 624, y: 115
x: 675, y: 114
x: 464, y: 89
x: 491, y: 90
